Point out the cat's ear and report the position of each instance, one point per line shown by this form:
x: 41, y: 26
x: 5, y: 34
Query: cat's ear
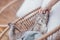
x: 10, y: 25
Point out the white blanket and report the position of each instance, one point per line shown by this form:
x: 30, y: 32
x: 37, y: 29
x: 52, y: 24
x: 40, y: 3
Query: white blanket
x: 54, y: 20
x: 28, y: 6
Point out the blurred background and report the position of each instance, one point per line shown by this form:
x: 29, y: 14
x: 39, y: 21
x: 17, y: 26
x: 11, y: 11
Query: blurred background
x: 8, y: 15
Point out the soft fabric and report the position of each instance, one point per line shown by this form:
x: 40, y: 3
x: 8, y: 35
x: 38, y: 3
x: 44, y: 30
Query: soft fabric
x: 28, y: 6
x: 54, y: 21
x: 31, y: 35
x: 45, y: 2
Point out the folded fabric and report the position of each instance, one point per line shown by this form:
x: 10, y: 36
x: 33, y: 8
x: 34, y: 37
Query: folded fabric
x: 31, y: 35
